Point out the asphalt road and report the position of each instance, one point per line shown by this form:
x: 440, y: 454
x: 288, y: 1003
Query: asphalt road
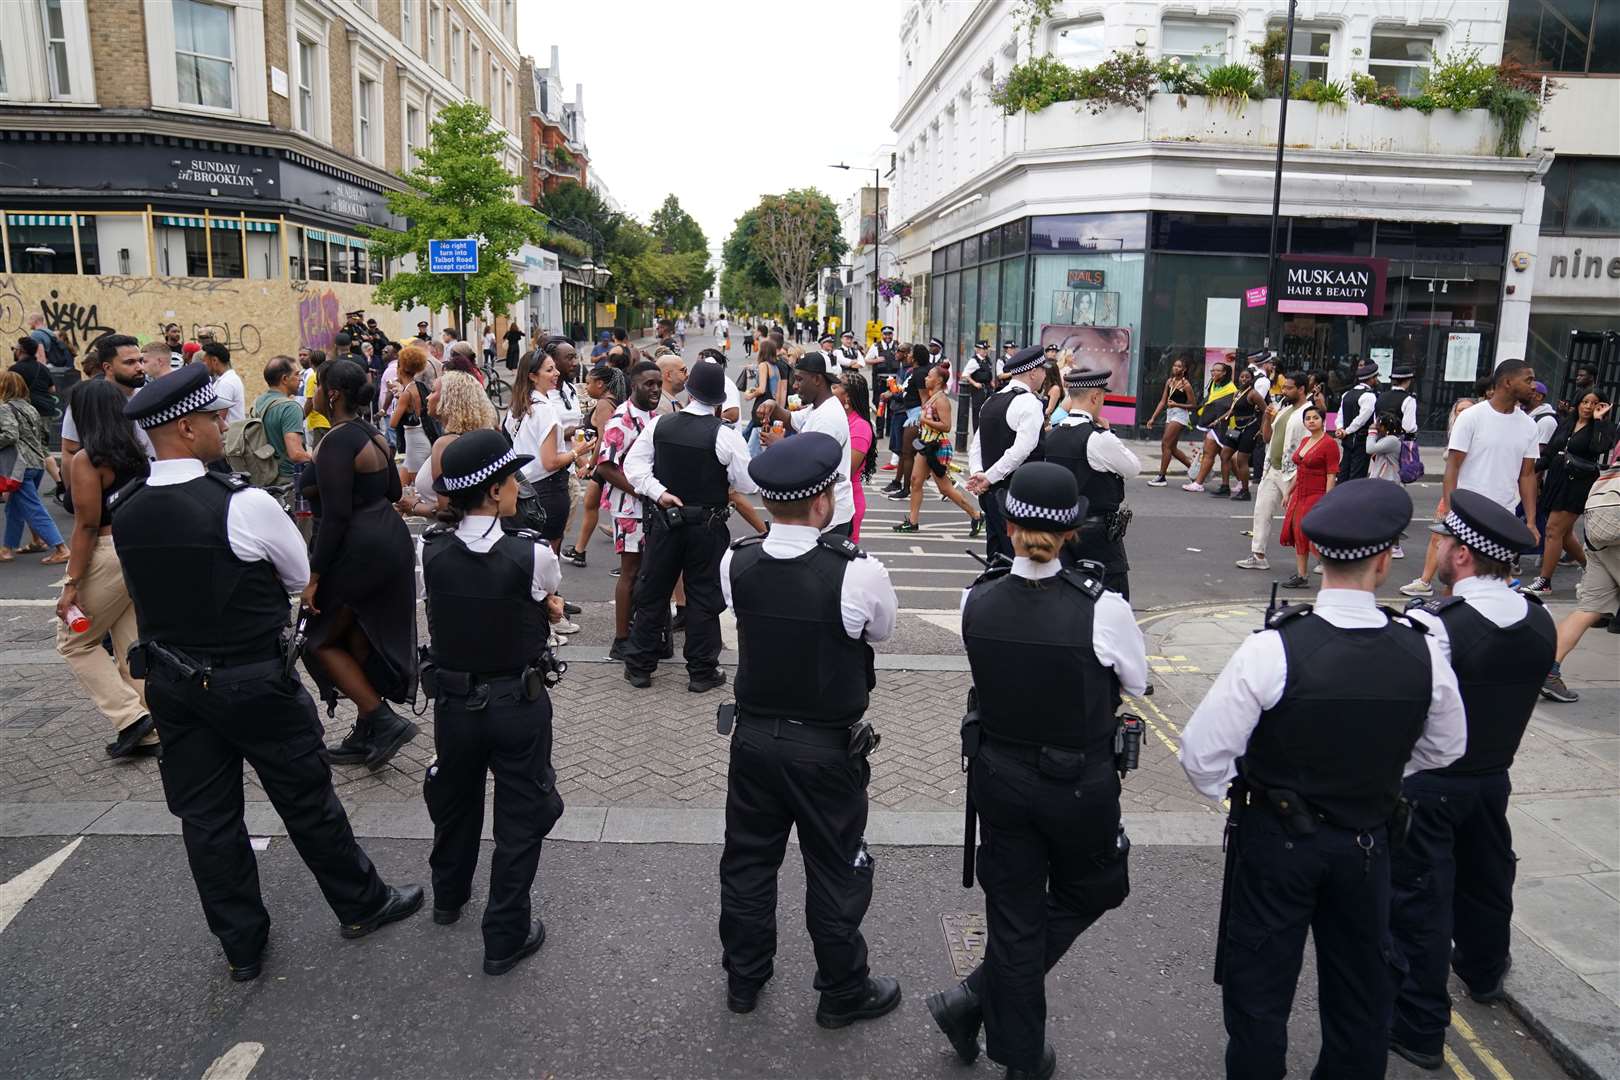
x: 109, y: 972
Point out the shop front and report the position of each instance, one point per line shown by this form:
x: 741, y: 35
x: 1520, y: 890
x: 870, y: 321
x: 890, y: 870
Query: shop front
x: 1575, y: 313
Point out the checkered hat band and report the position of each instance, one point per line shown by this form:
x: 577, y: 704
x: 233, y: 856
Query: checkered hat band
x: 1019, y: 508
x: 1472, y: 538
x: 799, y: 493
x: 188, y: 404
x: 1352, y: 554
x: 1028, y: 365
x: 462, y: 483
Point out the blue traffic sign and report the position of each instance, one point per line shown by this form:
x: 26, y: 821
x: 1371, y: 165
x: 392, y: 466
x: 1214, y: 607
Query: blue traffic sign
x: 453, y: 256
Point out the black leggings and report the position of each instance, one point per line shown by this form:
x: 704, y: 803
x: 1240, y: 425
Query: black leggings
x: 553, y: 492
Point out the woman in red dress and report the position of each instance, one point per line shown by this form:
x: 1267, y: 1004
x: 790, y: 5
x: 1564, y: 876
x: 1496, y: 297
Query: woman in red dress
x: 1318, y: 466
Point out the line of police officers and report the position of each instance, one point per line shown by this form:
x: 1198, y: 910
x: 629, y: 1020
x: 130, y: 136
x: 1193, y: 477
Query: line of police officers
x: 1395, y: 880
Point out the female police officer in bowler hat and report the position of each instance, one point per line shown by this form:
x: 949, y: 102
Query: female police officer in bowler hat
x: 491, y: 712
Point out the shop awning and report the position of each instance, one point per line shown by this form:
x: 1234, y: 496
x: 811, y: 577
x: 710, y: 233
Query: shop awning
x: 64, y: 221
x: 182, y: 222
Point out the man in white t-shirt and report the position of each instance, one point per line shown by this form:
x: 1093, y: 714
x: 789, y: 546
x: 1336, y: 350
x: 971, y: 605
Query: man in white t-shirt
x: 228, y: 386
x: 822, y: 412
x: 1492, y: 450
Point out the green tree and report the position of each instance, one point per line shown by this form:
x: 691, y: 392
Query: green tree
x: 795, y: 234
x: 677, y: 230
x: 738, y: 253
x: 740, y: 293
x: 457, y: 189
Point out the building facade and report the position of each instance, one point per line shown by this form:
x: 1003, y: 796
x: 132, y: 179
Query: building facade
x: 212, y: 162
x: 1137, y: 237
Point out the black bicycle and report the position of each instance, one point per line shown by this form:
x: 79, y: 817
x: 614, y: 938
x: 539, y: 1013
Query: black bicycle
x: 496, y: 387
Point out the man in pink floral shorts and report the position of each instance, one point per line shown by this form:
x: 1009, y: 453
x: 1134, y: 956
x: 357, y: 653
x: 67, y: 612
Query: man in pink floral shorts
x: 619, y: 499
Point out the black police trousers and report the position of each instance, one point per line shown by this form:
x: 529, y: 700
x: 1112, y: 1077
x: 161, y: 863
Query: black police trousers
x: 512, y: 739
x: 1050, y: 866
x: 271, y: 723
x: 1335, y: 884
x: 694, y: 550
x: 774, y: 784
x: 996, y: 540
x: 1453, y: 898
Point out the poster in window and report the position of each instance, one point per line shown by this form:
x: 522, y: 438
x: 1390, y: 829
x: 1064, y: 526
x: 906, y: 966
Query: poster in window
x: 1385, y: 359
x: 1095, y: 347
x: 1462, y: 357
x: 1063, y: 306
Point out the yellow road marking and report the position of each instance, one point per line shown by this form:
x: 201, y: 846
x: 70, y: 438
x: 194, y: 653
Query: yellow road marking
x: 1488, y: 1059
x: 1456, y: 1066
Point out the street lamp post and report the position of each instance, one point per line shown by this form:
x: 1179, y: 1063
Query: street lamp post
x: 1272, y: 339
x: 877, y: 230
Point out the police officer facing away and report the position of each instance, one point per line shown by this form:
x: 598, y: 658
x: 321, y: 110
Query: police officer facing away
x: 808, y: 605
x: 491, y: 712
x: 210, y: 562
x: 1358, y: 410
x: 1453, y: 880
x: 686, y: 464
x: 1050, y: 651
x: 1101, y: 464
x: 1319, y: 745
x: 1009, y: 434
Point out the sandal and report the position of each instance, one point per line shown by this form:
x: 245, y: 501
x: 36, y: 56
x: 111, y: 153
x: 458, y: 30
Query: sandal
x: 7, y: 555
x: 56, y: 559
x: 32, y: 549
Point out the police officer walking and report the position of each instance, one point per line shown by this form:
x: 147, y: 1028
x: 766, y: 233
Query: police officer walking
x: 1009, y: 434
x: 1453, y: 880
x: 1358, y: 410
x: 686, y: 465
x: 491, y: 712
x: 808, y: 606
x: 1318, y: 746
x: 1083, y: 444
x: 1051, y: 650
x: 211, y: 609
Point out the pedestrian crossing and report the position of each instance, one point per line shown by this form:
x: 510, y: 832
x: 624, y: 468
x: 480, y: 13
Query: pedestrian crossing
x: 931, y: 567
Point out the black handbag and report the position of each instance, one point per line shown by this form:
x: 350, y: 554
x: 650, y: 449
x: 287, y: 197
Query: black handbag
x: 530, y: 514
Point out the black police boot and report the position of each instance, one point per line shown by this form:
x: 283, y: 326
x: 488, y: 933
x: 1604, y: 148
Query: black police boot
x: 1416, y: 1057
x: 355, y: 747
x: 389, y: 732
x: 129, y: 739
x: 702, y: 684
x: 741, y: 995
x: 402, y: 902
x: 638, y: 679
x: 247, y: 970
x: 879, y: 997
x: 1043, y: 1071
x: 616, y: 651
x: 446, y: 916
x: 531, y: 945
x: 959, y: 1015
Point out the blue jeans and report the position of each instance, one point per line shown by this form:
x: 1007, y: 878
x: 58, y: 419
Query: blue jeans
x: 23, y: 507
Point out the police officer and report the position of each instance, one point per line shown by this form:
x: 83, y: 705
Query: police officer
x: 491, y: 712
x: 974, y: 382
x: 1318, y: 717
x: 1399, y: 400
x: 211, y: 608
x: 808, y: 606
x: 1083, y: 444
x: 1009, y: 434
x: 849, y: 354
x: 827, y: 345
x: 686, y: 465
x: 884, y: 355
x: 1358, y: 410
x: 1453, y: 880
x: 1051, y: 650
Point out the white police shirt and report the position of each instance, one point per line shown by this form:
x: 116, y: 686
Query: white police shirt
x: 1026, y: 415
x: 1254, y: 679
x: 258, y: 528
x: 729, y: 448
x: 480, y: 532
x: 1491, y: 597
x: 866, y: 602
x: 1104, y: 450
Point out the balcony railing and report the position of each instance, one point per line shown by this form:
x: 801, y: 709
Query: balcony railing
x: 550, y: 162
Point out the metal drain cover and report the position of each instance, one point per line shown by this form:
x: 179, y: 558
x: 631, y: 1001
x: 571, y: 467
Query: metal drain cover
x: 964, y: 940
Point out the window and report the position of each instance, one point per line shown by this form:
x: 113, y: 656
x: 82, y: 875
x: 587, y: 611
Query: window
x: 455, y: 56
x: 306, y: 86
x: 1079, y: 44
x: 433, y: 34
x: 56, y: 50
x: 407, y: 24
x: 204, y: 54
x: 1312, y: 48
x: 2, y: 71
x: 1564, y: 35
x: 226, y: 248
x: 413, y: 134
x: 1400, y: 60
x: 365, y: 108
x: 508, y: 112
x: 475, y: 66
x: 1582, y: 197
x: 1200, y: 45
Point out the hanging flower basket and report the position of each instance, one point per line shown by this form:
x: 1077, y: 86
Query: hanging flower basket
x: 890, y: 288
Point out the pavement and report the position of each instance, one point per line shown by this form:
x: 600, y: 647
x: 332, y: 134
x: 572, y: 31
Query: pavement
x: 100, y: 934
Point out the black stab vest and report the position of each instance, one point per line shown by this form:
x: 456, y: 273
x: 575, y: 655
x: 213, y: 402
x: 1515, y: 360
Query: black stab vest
x: 996, y: 436
x: 481, y: 611
x: 1038, y: 678
x: 684, y: 460
x: 796, y: 661
x: 190, y: 589
x: 1065, y: 445
x: 1392, y: 401
x: 1500, y: 670
x: 1353, y: 707
x: 1350, y: 409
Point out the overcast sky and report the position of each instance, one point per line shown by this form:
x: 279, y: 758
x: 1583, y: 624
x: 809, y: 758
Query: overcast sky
x: 747, y: 98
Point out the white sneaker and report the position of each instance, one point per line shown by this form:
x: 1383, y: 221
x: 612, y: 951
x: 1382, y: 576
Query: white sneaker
x: 1254, y: 562
x: 1397, y: 552
x: 555, y: 641
x: 1192, y: 485
x: 1317, y: 569
x: 1417, y: 587
x: 567, y: 626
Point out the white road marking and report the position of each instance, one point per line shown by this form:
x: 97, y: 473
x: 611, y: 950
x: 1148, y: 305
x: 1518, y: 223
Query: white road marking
x: 22, y: 888
x: 235, y: 1063
x: 49, y: 602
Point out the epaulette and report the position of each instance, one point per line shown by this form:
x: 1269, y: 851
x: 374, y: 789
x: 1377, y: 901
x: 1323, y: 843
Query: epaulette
x: 524, y: 534
x: 992, y: 572
x: 233, y: 481
x: 1286, y: 612
x: 437, y: 530
x: 841, y: 545
x: 1434, y: 605
x: 747, y: 541
x: 1534, y: 599
x: 1405, y: 620
x: 123, y: 494
x: 1083, y: 579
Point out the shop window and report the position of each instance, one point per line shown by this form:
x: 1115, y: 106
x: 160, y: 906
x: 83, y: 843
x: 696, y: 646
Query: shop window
x: 953, y: 257
x: 225, y: 240
x: 317, y: 264
x: 56, y: 48
x: 358, y: 263
x: 967, y: 328
x: 204, y: 54
x: 990, y: 244
x: 989, y: 307
x: 1564, y: 35
x: 340, y: 259
x: 1014, y: 302
x: 377, y: 269
x: 1089, y: 232
x: 1197, y: 43
x: 1326, y: 236
x: 1100, y: 296
x: 263, y: 242
x: 114, y: 244
x: 89, y: 248
x: 1583, y: 196
x: 1015, y: 236
x: 938, y: 261
x: 295, y: 253
x: 40, y: 243
x: 1400, y: 59
x: 970, y: 251
x: 1238, y: 234
x: 1078, y: 44
x: 1313, y: 51
x: 1428, y: 241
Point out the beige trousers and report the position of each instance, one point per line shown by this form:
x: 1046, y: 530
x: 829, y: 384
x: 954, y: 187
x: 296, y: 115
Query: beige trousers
x: 105, y: 599
x: 1269, y: 499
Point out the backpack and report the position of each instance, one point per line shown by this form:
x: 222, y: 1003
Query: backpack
x: 1602, y: 511
x: 248, y: 451
x: 56, y: 354
x: 1411, y: 461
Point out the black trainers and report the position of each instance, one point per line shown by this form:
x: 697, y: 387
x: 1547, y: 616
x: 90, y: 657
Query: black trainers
x: 977, y: 529
x: 878, y: 998
x: 907, y: 527
x: 899, y: 494
x: 1297, y: 581
x: 892, y: 487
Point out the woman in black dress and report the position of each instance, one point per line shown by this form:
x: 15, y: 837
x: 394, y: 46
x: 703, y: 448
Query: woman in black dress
x: 1575, y: 452
x: 362, y: 583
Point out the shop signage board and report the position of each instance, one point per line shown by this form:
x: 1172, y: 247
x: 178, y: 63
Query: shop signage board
x: 1462, y: 357
x: 1332, y: 285
x: 1087, y: 279
x: 1255, y: 297
x: 458, y: 256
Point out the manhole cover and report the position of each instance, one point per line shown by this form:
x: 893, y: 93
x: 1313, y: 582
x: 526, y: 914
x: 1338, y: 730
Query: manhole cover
x: 964, y: 940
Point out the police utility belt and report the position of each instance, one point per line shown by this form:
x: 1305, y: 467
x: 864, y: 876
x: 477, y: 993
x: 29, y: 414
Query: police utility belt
x: 859, y: 738
x: 479, y: 689
x: 1112, y: 523
x: 149, y: 657
x: 679, y: 517
x: 1298, y: 817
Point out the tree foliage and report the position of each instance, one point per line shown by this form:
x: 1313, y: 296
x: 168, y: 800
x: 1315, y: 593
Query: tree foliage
x: 738, y: 292
x: 784, y: 240
x: 457, y: 189
x: 648, y: 266
x: 677, y: 230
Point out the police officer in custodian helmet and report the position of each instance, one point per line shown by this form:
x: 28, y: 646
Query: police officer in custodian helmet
x: 491, y: 597
x: 1050, y: 650
x: 210, y: 562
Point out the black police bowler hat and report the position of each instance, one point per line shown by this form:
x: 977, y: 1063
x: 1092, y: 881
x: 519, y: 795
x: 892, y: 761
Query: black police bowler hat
x: 1358, y: 519
x: 707, y: 383
x: 477, y: 459
x: 1044, y: 497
